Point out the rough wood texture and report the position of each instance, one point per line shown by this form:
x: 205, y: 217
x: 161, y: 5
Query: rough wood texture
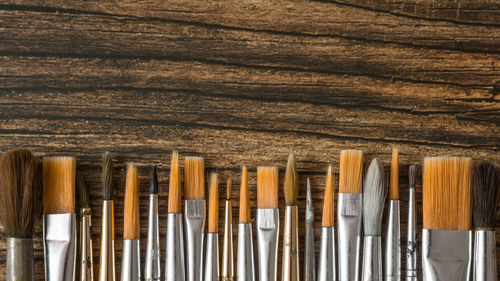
x: 246, y: 82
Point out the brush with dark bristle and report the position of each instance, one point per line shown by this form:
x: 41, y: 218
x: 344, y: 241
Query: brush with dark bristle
x: 107, y: 176
x: 412, y: 175
x: 213, y: 204
x: 131, y: 228
x: 351, y: 169
x: 374, y: 194
x: 153, y: 185
x: 447, y: 193
x: 485, y: 185
x: 194, y: 178
x: 291, y: 185
x: 267, y: 187
x: 244, y: 197
x: 175, y: 193
x: 328, y: 200
x: 82, y: 192
x: 59, y: 185
x: 394, y: 185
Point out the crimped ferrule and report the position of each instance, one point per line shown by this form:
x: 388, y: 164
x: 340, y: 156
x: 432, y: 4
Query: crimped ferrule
x: 212, y: 257
x: 152, y: 271
x: 245, y: 262
x: 227, y: 246
x: 411, y: 245
x: 309, y: 254
x: 86, y: 257
x: 131, y: 260
x: 267, y: 243
x: 194, y: 222
x: 485, y: 265
x: 290, y: 264
x: 372, y: 259
x: 174, y: 263
x: 349, y: 227
x: 327, y: 263
x: 393, y: 245
x: 20, y: 264
x: 107, y: 256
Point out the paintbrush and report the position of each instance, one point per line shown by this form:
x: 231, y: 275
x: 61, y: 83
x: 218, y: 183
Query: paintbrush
x: 349, y: 213
x: 392, y: 243
x: 174, y: 264
x: 267, y: 222
x: 20, y: 189
x: 245, y: 262
x: 86, y: 257
x: 59, y: 220
x: 107, y: 257
x: 309, y: 253
x: 327, y: 262
x: 411, y: 246
x: 290, y: 264
x: 485, y: 185
x: 212, y: 239
x: 447, y: 236
x: 374, y: 194
x: 227, y: 246
x: 194, y: 216
x: 131, y: 261
x: 152, y: 271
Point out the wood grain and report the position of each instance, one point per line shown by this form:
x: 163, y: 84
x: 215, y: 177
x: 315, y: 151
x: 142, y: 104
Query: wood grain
x: 246, y: 82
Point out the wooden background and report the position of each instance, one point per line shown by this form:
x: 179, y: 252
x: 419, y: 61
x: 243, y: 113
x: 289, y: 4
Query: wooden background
x: 246, y: 82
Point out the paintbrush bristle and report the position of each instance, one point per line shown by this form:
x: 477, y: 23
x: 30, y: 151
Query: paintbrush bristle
x: 194, y: 178
x: 412, y: 175
x: 267, y: 187
x: 485, y: 185
x: 374, y: 194
x: 447, y: 193
x: 244, y: 197
x: 213, y: 204
x: 328, y: 201
x: 59, y: 185
x: 291, y: 185
x: 107, y: 176
x: 228, y: 189
x: 82, y: 192
x: 309, y: 203
x: 20, y: 188
x: 153, y: 184
x: 394, y: 188
x: 174, y: 191
x: 351, y: 169
x: 131, y: 228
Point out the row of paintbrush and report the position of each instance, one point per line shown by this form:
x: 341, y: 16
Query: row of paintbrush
x: 455, y: 195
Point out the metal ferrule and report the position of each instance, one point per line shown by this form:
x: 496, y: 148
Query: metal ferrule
x: 485, y: 265
x: 131, y: 260
x: 327, y: 263
x: 393, y: 244
x: 152, y: 271
x: 174, y: 263
x: 212, y: 258
x: 59, y: 239
x: 86, y: 257
x: 411, y: 246
x: 267, y: 243
x: 245, y: 262
x: 372, y: 259
x: 20, y: 264
x: 290, y: 264
x: 227, y: 246
x: 107, y: 257
x: 309, y: 254
x: 194, y: 222
x: 446, y: 255
x: 349, y: 227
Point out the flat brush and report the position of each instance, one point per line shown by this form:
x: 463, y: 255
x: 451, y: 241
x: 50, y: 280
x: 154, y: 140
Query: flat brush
x: 194, y: 216
x: 131, y: 260
x: 374, y: 194
x: 327, y: 262
x: 290, y: 265
x: 152, y: 271
x: 393, y: 245
x: 411, y: 245
x: 245, y: 262
x: 174, y: 264
x: 86, y: 257
x: 349, y: 213
x: 20, y: 188
x: 212, y: 239
x: 447, y: 236
x: 309, y: 253
x: 59, y: 220
x: 107, y: 257
x: 267, y: 222
x: 227, y: 246
x: 485, y: 185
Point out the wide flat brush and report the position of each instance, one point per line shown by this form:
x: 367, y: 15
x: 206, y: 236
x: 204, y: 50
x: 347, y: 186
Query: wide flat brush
x: 309, y: 253
x: 392, y: 243
x: 20, y: 189
x: 212, y: 239
x: 327, y: 262
x: 245, y: 262
x: 411, y: 245
x: 227, y: 246
x: 107, y: 256
x: 152, y: 270
x: 86, y: 256
x: 59, y: 220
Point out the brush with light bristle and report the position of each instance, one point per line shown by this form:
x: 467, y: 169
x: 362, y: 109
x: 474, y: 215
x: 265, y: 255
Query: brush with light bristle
x: 245, y: 262
x: 212, y: 237
x: 20, y: 189
x: 447, y: 236
x: 131, y: 262
x: 485, y: 186
x: 86, y: 256
x: 392, y: 240
x: 374, y: 194
x: 174, y: 264
x: 152, y: 270
x: 290, y: 264
x: 227, y: 246
x: 411, y: 245
x: 327, y: 262
x: 267, y: 222
x: 59, y: 220
x: 194, y: 216
x: 349, y: 213
x: 309, y: 253
x: 107, y: 256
